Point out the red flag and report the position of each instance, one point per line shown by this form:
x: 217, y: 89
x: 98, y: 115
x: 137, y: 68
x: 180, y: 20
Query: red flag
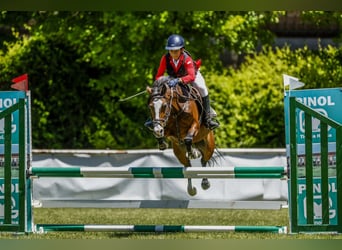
x: 20, y: 83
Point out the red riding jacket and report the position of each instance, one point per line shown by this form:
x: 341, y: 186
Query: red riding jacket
x: 186, y: 68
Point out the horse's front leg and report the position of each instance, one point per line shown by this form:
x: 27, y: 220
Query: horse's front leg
x: 205, y: 182
x: 207, y: 149
x: 180, y: 153
x: 192, y: 153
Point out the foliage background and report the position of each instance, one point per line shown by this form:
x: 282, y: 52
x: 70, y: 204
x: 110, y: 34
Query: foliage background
x: 80, y: 64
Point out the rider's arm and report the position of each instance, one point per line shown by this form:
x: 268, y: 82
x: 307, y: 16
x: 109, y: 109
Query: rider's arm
x: 190, y: 69
x: 162, y: 67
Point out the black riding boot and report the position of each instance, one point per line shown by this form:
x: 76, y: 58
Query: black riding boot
x: 209, y: 122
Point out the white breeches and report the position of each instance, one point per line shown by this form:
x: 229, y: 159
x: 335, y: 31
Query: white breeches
x: 199, y: 84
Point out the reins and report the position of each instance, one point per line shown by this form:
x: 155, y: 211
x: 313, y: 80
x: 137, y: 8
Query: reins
x: 163, y: 122
x: 192, y: 95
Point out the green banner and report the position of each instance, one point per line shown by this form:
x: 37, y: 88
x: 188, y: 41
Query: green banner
x: 14, y: 201
x: 327, y: 102
x: 317, y: 201
x: 7, y: 99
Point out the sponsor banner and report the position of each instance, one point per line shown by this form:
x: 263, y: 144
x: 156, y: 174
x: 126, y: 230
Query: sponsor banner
x: 14, y: 200
x: 7, y: 99
x: 328, y: 102
x: 317, y: 201
x: 325, y: 101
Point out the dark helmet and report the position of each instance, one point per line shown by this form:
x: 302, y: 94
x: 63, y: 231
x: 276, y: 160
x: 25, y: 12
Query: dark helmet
x: 175, y: 42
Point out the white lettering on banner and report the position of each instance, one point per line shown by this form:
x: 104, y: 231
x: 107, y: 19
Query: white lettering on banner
x: 15, y: 212
x: 315, y: 136
x: 2, y: 127
x: 317, y: 208
x: 14, y: 188
x: 316, y: 101
x: 317, y: 188
x: 7, y: 102
x: 316, y: 123
x: 301, y: 188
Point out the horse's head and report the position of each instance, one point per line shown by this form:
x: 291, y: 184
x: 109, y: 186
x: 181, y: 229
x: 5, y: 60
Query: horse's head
x: 160, y: 104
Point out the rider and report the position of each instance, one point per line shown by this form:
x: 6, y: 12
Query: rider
x: 177, y: 62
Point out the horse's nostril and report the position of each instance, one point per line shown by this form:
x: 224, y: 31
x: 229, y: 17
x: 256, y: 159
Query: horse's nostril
x: 158, y: 130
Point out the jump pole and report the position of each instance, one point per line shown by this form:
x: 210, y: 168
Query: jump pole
x: 43, y: 228
x: 164, y: 172
x: 155, y: 172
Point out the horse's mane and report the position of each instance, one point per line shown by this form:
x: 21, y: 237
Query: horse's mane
x: 161, y: 81
x: 160, y: 85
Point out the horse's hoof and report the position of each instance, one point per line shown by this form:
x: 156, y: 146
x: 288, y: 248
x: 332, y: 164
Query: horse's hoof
x: 205, y: 184
x: 196, y: 154
x: 163, y: 145
x: 192, y: 191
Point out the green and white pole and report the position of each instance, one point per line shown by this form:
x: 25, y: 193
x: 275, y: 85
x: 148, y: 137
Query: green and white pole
x: 43, y: 228
x: 157, y: 172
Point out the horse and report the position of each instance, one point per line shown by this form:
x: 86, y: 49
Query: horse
x: 176, y: 115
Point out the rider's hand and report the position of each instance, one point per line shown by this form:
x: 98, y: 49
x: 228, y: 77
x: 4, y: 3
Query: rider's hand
x: 174, y: 82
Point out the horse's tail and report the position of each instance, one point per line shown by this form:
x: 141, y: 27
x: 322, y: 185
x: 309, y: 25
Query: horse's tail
x: 215, y: 160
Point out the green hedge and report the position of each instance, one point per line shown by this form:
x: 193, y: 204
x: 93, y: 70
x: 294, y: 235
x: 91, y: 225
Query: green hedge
x: 250, y: 100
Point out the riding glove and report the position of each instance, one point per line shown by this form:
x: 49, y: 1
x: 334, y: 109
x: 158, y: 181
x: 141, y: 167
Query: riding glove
x: 174, y: 82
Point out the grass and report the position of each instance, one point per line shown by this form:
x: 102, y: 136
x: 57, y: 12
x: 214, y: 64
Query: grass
x: 162, y: 217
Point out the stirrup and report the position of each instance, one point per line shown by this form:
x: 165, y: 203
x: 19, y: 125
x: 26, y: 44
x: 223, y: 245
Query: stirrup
x: 211, y: 124
x: 149, y: 125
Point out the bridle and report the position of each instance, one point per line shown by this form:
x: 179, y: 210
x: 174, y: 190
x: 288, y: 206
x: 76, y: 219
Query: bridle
x: 156, y: 95
x: 174, y: 92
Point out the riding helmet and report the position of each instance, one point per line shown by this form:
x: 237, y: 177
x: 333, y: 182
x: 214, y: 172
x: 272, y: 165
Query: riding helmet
x: 175, y: 42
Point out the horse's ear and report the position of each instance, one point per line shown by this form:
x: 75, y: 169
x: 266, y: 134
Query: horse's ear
x: 149, y: 90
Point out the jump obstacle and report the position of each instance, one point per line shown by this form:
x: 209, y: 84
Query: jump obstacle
x: 164, y: 172
x: 154, y: 172
x: 25, y: 175
x: 157, y: 228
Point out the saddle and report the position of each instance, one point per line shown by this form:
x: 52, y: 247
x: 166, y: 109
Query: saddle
x: 188, y: 92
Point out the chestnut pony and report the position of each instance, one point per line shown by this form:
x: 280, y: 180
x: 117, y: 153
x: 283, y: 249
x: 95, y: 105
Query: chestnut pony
x: 176, y: 115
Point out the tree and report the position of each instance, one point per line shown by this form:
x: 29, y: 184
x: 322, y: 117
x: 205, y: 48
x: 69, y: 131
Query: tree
x: 80, y: 64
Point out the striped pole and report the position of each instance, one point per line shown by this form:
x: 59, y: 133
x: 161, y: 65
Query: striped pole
x: 164, y: 172
x: 42, y: 228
